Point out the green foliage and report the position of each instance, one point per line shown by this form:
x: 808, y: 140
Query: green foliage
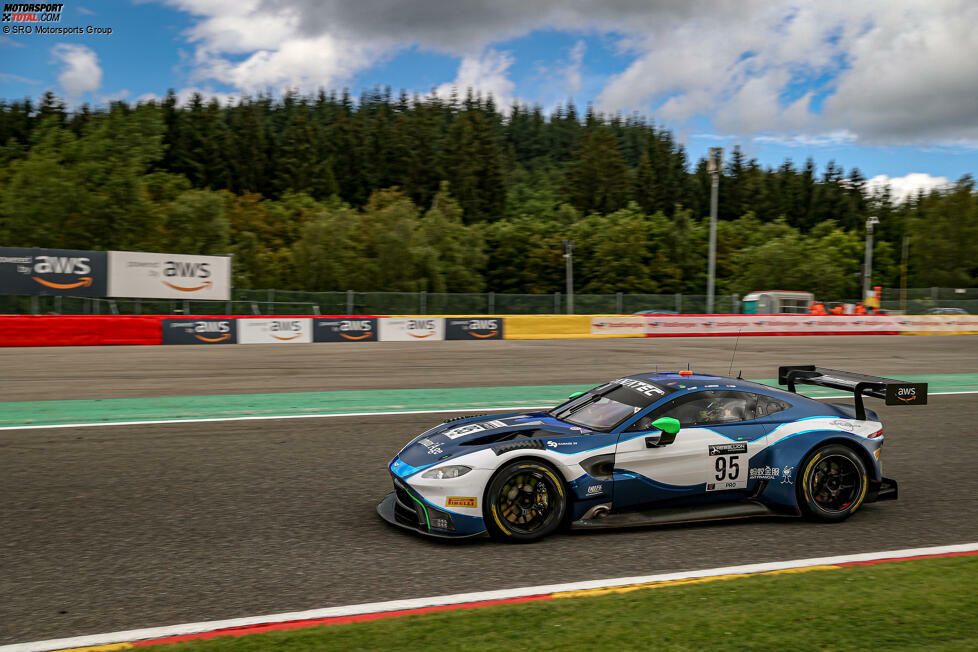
x: 412, y: 193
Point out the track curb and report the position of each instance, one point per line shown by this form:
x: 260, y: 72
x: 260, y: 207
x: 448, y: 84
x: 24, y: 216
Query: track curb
x: 397, y: 608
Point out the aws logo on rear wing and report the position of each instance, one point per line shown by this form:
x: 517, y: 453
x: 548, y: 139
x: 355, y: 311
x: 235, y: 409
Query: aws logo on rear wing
x: 906, y: 394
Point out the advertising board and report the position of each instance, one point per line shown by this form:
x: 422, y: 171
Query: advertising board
x: 199, y: 331
x: 411, y: 329
x: 51, y: 272
x: 615, y: 325
x: 169, y: 276
x: 473, y: 328
x: 284, y: 330
x: 350, y: 329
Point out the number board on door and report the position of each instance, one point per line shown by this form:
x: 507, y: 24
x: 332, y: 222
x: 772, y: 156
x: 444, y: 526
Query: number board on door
x: 727, y: 467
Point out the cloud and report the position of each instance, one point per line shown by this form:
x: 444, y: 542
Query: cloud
x: 9, y: 77
x: 901, y: 188
x: 572, y: 73
x: 80, y: 72
x: 901, y: 71
x: 486, y: 73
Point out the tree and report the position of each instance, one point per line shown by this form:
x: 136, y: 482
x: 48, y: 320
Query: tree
x: 597, y: 179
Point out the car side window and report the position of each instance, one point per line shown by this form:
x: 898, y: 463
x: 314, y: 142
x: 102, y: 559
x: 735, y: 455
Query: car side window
x: 710, y: 408
x: 767, y: 406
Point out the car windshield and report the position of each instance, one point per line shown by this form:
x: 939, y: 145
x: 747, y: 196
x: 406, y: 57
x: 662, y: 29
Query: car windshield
x: 605, y: 407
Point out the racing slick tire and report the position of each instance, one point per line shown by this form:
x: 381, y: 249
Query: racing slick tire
x: 524, y: 502
x: 832, y: 484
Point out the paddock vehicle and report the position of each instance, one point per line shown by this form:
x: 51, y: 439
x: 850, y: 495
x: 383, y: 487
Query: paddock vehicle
x: 651, y: 448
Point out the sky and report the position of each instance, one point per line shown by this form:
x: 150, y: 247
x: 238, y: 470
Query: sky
x: 888, y: 87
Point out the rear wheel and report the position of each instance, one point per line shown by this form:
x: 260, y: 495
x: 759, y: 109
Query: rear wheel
x: 833, y: 483
x: 525, y: 501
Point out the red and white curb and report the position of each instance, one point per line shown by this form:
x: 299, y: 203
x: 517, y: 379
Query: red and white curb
x: 394, y: 608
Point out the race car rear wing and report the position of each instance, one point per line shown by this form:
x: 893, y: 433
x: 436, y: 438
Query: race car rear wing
x: 895, y: 392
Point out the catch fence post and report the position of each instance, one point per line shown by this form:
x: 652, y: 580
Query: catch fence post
x: 492, y: 303
x: 556, y: 303
x: 349, y: 302
x: 619, y: 303
x: 423, y: 302
x: 679, y: 302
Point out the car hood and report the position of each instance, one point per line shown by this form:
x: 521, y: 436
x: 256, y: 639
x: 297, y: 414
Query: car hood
x: 462, y: 436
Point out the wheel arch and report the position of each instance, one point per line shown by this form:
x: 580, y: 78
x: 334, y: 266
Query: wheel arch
x: 864, y: 455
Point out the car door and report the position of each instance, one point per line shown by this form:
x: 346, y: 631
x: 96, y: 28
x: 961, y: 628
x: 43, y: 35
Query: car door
x: 708, y: 460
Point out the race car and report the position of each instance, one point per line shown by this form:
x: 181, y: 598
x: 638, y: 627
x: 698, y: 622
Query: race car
x: 647, y: 449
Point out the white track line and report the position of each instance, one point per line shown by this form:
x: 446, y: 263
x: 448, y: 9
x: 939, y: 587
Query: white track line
x: 514, y: 408
x: 459, y: 598
x: 330, y: 415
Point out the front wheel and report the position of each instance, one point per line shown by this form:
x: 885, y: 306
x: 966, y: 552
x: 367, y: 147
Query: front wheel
x: 833, y: 483
x: 525, y: 501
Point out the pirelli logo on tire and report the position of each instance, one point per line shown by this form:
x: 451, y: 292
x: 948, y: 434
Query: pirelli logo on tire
x: 474, y: 328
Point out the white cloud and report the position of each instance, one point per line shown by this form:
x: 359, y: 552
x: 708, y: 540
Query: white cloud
x: 10, y: 77
x: 901, y: 71
x: 487, y: 73
x: 80, y: 72
x: 572, y: 74
x: 906, y: 186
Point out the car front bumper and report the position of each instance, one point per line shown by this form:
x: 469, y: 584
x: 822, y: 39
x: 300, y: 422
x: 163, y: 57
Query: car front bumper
x: 404, y: 509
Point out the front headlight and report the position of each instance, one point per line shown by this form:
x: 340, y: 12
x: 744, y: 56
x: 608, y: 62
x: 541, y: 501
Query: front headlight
x: 446, y: 472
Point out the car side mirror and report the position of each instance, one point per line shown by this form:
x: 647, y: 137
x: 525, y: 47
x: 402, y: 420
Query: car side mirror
x: 668, y: 428
x: 575, y: 395
x: 667, y: 424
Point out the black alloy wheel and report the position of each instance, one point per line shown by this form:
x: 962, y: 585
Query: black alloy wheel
x: 525, y: 501
x: 833, y: 483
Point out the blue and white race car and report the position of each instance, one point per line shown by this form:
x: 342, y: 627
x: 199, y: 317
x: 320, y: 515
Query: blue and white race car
x: 652, y: 448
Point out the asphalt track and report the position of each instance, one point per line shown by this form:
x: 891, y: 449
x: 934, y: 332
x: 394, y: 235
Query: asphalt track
x: 105, y: 529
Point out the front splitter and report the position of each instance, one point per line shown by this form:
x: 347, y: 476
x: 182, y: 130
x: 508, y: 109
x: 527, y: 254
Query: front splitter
x: 385, y: 508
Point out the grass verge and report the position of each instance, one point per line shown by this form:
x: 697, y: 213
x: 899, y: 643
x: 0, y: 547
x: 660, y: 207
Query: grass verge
x: 925, y: 604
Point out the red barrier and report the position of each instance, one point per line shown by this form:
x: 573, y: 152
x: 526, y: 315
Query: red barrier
x: 79, y: 330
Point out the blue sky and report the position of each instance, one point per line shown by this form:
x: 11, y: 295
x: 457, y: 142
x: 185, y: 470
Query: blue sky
x: 890, y: 88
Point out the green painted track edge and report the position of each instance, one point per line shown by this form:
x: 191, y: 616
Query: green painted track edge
x: 176, y: 408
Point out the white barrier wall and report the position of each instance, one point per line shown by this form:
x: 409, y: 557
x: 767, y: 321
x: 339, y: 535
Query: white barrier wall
x: 411, y: 329
x: 287, y: 330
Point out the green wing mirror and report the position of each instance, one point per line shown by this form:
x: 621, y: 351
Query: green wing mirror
x: 668, y: 427
x: 667, y: 424
x: 575, y: 395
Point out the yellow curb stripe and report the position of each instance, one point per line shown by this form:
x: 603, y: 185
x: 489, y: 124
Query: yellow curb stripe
x: 625, y: 588
x: 100, y: 648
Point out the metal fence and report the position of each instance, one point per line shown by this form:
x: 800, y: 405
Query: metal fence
x: 295, y: 302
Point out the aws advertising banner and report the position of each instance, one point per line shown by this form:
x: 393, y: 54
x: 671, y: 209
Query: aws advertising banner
x: 199, y: 331
x: 169, y: 276
x: 52, y: 271
x: 284, y: 330
x: 412, y: 329
x: 345, y: 330
x: 473, y: 328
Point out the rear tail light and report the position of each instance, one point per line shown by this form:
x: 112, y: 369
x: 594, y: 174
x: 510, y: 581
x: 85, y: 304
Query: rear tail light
x: 877, y: 434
